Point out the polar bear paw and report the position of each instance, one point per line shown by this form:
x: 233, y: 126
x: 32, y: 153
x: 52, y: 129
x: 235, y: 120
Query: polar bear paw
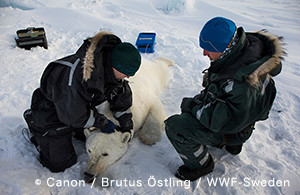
x: 150, y: 136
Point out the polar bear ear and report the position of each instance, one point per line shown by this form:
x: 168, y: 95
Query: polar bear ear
x: 125, y: 137
x: 87, y: 132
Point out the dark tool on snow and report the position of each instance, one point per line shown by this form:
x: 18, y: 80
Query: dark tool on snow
x: 31, y: 37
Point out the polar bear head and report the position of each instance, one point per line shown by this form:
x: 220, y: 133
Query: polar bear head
x: 103, y: 150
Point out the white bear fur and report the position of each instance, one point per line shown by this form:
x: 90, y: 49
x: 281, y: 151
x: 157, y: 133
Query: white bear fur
x: 148, y: 117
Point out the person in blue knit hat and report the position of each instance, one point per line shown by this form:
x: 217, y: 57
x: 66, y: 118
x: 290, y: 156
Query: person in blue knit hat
x: 238, y: 91
x: 72, y: 87
x: 216, y: 35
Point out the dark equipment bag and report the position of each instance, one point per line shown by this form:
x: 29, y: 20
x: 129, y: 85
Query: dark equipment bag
x: 31, y: 37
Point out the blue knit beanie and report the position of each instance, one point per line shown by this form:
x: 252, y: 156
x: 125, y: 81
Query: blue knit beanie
x: 126, y: 58
x: 216, y: 34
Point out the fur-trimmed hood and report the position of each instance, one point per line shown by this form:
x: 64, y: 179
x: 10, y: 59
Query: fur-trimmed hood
x: 273, y: 63
x: 252, y: 56
x: 89, y: 59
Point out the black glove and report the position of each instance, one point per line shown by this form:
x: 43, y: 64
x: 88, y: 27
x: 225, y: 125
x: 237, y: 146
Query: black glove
x: 188, y: 104
x: 126, y: 123
x: 191, y: 105
x: 185, y: 104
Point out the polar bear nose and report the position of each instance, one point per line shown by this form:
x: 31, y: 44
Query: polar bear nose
x: 88, y: 178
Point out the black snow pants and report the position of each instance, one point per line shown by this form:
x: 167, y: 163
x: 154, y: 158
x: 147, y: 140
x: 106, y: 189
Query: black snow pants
x: 54, y: 142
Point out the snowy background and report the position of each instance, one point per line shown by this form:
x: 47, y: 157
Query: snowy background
x: 272, y: 153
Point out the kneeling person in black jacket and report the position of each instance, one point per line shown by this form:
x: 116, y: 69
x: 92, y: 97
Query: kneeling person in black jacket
x: 70, y: 90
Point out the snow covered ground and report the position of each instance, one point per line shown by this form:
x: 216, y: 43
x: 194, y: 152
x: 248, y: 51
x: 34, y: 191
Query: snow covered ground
x: 270, y: 161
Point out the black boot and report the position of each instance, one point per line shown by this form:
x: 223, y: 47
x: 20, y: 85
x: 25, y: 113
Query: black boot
x: 185, y: 173
x: 28, y: 118
x: 28, y: 133
x: 234, y: 149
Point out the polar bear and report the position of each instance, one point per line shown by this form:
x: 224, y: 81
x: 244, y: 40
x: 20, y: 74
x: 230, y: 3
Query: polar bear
x: 148, y: 115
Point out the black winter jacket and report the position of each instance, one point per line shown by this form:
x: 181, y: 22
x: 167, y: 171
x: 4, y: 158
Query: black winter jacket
x: 73, y: 86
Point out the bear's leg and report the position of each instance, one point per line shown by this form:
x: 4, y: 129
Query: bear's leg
x: 153, y: 126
